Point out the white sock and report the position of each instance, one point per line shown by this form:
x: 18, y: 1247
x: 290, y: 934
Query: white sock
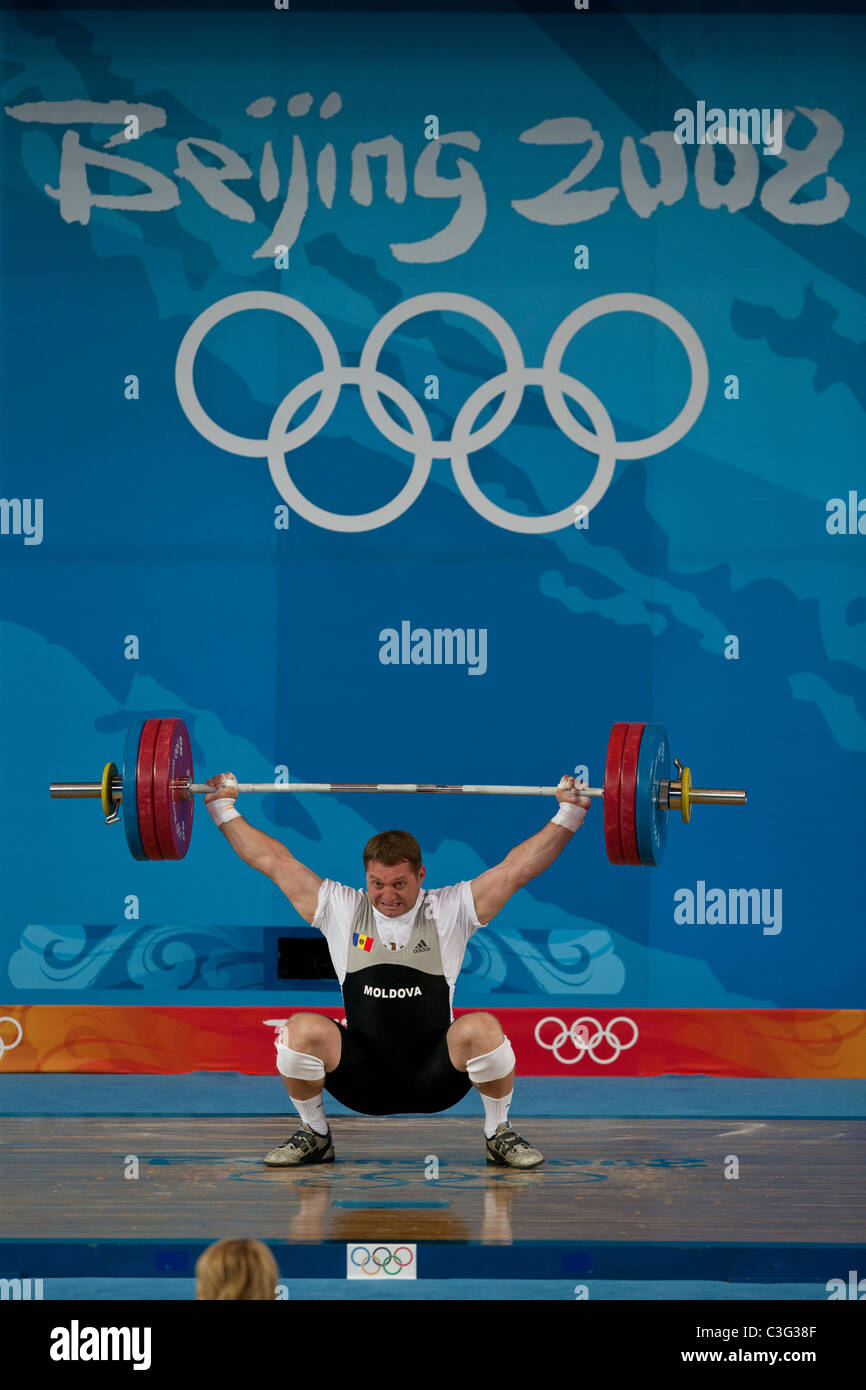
x: 312, y: 1112
x: 495, y: 1111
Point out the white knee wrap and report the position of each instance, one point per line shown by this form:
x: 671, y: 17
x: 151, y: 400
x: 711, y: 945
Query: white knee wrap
x: 491, y: 1066
x: 299, y: 1066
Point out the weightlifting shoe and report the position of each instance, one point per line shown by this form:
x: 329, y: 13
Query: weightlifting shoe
x: 304, y: 1146
x: 507, y: 1148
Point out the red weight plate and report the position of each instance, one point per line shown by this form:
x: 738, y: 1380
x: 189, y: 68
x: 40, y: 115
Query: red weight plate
x: 627, y: 793
x: 612, y: 839
x: 144, y: 788
x: 172, y: 760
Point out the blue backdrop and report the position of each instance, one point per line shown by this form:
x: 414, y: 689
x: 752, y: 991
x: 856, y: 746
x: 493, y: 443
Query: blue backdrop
x: 166, y: 549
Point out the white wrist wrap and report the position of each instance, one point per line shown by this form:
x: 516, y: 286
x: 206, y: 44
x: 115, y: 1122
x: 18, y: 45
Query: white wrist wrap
x: 572, y: 817
x: 222, y: 810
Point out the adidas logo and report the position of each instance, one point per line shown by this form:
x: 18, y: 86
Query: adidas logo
x: 422, y: 946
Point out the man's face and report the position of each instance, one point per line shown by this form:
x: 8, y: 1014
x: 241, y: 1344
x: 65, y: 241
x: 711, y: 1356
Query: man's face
x: 394, y: 888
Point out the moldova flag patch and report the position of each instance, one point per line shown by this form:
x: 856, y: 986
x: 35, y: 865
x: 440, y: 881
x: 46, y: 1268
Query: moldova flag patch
x: 363, y: 943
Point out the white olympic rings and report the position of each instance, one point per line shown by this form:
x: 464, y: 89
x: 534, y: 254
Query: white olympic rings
x: 5, y: 1046
x: 418, y: 440
x: 579, y: 1035
x: 390, y: 1256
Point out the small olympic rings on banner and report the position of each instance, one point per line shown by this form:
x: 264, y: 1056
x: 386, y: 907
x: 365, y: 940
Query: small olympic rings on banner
x: 8, y: 1046
x: 583, y: 1040
x: 391, y: 1257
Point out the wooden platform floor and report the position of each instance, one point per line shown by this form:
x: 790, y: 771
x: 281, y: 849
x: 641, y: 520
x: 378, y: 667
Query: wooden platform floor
x: 603, y: 1180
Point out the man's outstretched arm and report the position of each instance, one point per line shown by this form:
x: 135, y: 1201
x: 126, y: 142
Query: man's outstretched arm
x: 300, y: 885
x: 492, y: 889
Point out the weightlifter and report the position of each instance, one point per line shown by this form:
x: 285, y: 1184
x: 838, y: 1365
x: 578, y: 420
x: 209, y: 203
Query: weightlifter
x: 397, y: 950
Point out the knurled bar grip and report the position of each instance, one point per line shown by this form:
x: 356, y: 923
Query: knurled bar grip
x: 393, y: 787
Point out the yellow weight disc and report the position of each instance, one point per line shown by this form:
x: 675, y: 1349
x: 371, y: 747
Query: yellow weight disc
x: 685, y: 794
x: 108, y: 772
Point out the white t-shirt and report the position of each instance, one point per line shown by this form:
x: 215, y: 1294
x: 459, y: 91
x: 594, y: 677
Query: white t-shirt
x: 452, y: 909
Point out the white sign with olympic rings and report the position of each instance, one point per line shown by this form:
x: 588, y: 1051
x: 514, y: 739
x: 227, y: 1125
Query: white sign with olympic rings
x: 381, y: 1262
x: 418, y: 439
x: 584, y: 1034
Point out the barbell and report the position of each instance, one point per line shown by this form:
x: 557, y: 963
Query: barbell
x: 153, y: 792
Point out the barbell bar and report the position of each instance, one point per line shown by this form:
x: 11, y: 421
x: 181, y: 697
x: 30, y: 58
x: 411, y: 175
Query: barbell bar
x: 155, y: 789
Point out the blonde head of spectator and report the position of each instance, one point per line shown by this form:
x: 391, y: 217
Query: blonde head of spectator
x: 239, y: 1269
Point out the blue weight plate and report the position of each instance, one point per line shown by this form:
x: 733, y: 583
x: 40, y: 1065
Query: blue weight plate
x: 129, y: 805
x: 653, y: 766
